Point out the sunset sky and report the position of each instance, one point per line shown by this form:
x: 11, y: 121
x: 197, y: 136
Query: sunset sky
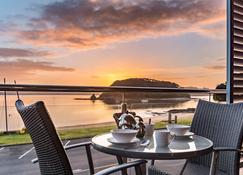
x: 94, y: 42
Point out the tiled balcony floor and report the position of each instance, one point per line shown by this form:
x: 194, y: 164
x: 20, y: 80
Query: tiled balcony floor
x: 16, y: 160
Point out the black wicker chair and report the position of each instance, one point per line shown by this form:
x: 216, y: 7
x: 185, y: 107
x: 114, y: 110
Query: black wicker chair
x: 223, y: 124
x: 51, y: 154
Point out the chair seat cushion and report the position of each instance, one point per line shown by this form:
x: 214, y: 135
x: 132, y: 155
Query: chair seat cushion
x: 174, y: 167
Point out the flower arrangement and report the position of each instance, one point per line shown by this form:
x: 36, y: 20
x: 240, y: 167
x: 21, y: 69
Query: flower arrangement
x: 129, y: 121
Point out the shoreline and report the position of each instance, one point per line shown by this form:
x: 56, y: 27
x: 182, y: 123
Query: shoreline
x: 156, y: 118
x: 110, y: 123
x: 78, y: 132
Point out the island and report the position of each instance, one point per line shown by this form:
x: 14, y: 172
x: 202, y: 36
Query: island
x: 143, y: 97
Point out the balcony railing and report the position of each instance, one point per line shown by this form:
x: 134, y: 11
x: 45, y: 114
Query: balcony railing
x: 61, y: 88
x: 58, y: 109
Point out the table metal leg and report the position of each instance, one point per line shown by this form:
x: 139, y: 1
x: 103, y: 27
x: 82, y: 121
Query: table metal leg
x: 215, y: 156
x: 144, y: 169
x: 140, y: 169
x: 183, y: 168
x: 122, y: 160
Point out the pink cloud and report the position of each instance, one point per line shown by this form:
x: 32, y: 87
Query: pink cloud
x: 24, y: 70
x: 216, y: 67
x: 14, y: 52
x: 21, y: 68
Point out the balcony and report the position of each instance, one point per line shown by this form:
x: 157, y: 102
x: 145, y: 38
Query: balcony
x: 180, y: 44
x: 86, y: 118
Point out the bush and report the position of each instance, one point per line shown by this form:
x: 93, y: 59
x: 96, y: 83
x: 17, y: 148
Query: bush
x: 220, y: 97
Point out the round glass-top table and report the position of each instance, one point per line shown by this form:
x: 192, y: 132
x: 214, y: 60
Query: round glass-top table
x: 179, y: 148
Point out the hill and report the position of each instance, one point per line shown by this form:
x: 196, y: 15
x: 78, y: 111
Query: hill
x: 145, y: 82
x: 136, y: 97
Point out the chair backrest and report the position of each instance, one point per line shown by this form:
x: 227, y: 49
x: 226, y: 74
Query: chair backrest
x: 223, y: 124
x: 50, y: 152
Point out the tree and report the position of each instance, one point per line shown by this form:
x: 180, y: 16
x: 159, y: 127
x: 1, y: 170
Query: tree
x: 220, y: 97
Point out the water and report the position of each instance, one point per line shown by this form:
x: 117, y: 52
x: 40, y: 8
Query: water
x: 65, y: 111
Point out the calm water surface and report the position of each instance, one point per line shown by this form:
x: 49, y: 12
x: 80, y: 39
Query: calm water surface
x: 65, y: 111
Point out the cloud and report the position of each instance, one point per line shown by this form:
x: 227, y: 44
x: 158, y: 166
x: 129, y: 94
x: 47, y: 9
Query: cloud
x: 218, y: 64
x: 13, y: 52
x: 216, y: 30
x: 202, y: 75
x: 90, y: 24
x: 216, y: 67
x: 24, y: 70
x: 222, y: 60
x: 22, y: 67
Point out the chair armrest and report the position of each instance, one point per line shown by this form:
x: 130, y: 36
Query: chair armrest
x: 88, y: 153
x: 77, y: 145
x: 215, y: 155
x: 35, y: 160
x: 219, y: 149
x: 121, y: 167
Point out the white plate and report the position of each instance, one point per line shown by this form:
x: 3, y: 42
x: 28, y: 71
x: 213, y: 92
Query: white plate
x: 114, y: 141
x: 188, y: 134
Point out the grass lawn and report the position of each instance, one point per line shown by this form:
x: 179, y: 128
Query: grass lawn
x: 12, y: 139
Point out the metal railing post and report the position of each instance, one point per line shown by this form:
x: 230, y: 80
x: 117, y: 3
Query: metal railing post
x: 123, y: 97
x: 230, y: 59
x: 6, y: 108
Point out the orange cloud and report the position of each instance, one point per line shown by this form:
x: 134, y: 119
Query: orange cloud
x: 90, y: 24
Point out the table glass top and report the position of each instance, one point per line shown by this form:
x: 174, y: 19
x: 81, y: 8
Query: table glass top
x: 179, y: 146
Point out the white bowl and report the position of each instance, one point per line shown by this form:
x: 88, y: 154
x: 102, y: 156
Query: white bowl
x: 178, y: 129
x: 124, y: 135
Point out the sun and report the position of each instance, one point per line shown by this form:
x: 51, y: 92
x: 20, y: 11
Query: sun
x: 109, y: 78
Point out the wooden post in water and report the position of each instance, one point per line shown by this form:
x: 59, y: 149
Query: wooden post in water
x: 123, y: 97
x: 169, y: 117
x: 5, y: 105
x: 175, y: 118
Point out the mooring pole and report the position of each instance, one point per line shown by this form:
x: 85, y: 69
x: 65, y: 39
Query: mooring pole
x: 5, y: 105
